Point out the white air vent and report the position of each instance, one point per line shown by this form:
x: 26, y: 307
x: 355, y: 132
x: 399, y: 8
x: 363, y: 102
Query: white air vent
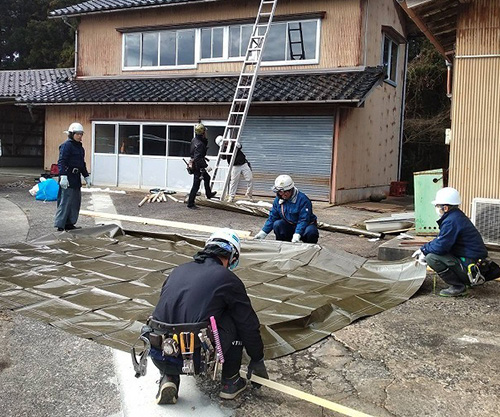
x: 486, y: 218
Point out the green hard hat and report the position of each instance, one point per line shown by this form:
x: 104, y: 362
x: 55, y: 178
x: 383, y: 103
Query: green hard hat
x: 199, y: 129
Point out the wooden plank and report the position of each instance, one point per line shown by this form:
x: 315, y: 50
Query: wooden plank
x: 157, y: 222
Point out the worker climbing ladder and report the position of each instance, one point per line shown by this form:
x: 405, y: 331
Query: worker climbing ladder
x: 242, y: 96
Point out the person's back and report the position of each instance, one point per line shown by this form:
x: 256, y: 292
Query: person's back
x: 197, y: 290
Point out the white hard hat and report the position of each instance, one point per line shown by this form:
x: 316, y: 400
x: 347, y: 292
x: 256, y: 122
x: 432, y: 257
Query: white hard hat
x: 75, y: 127
x: 228, y: 240
x: 283, y: 183
x: 447, y: 195
x: 218, y: 140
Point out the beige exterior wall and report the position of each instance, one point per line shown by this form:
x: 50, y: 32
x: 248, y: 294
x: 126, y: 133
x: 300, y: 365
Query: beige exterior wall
x: 369, y: 138
x: 100, y: 45
x: 58, y: 118
x: 475, y: 145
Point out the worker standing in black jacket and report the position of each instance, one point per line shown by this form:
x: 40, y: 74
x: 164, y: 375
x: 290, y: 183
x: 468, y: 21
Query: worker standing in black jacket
x: 199, y: 165
x: 206, y: 287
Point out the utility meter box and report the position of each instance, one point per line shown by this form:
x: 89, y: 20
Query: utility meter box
x: 426, y: 184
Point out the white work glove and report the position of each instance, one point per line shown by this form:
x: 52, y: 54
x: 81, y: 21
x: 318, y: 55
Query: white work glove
x: 419, y: 257
x: 260, y: 235
x: 296, y: 238
x: 63, y: 182
x: 208, y: 169
x: 88, y: 181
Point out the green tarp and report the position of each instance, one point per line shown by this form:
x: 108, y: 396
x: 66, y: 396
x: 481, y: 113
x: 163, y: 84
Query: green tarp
x: 103, y: 283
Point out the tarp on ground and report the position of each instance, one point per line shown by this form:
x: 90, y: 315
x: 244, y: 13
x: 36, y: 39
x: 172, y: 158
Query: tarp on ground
x: 102, y: 284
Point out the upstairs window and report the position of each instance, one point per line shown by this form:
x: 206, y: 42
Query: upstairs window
x: 390, y: 59
x: 286, y: 42
x: 171, y: 48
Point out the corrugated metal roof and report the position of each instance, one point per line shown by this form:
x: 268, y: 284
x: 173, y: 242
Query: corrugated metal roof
x: 23, y: 82
x: 347, y: 86
x: 439, y: 18
x: 101, y: 6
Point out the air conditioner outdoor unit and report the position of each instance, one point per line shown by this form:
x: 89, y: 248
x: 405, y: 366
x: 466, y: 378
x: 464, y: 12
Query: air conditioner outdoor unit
x: 486, y: 218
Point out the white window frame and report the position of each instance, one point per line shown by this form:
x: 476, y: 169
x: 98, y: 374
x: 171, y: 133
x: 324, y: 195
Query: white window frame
x: 225, y: 58
x: 387, y: 69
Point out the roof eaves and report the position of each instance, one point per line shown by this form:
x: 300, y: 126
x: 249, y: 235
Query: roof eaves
x: 60, y: 13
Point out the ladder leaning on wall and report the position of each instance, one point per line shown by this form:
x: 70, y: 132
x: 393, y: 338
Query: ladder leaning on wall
x: 243, y: 96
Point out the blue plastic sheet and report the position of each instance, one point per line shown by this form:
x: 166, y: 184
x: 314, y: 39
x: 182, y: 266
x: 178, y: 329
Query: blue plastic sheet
x: 47, y: 190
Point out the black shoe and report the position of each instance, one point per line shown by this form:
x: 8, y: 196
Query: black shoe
x: 231, y: 387
x: 212, y: 195
x: 168, y: 391
x: 71, y: 227
x: 193, y: 207
x: 454, y: 291
x: 60, y: 229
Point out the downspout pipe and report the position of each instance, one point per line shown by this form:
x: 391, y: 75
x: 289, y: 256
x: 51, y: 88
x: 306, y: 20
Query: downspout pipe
x: 75, y: 28
x: 448, y: 79
x: 402, y: 117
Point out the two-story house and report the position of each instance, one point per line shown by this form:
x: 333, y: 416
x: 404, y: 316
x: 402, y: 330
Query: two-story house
x: 327, y: 107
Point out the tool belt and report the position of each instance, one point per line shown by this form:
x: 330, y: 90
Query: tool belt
x: 482, y: 270
x: 162, y: 331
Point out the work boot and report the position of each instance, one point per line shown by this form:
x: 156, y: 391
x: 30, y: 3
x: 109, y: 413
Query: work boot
x: 249, y: 197
x: 231, y: 387
x: 193, y: 207
x: 230, y: 199
x: 60, y: 229
x: 211, y: 195
x: 454, y: 291
x: 168, y: 391
x: 71, y: 227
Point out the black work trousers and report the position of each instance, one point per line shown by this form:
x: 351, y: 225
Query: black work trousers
x: 198, y: 176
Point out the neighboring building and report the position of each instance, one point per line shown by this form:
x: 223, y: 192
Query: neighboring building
x: 148, y: 71
x: 467, y: 33
x: 21, y: 127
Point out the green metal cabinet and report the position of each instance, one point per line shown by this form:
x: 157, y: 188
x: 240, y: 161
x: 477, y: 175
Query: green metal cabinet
x: 426, y: 184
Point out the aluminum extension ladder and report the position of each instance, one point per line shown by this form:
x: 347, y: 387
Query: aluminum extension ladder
x: 242, y: 97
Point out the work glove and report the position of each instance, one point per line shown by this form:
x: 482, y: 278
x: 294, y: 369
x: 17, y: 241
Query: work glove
x: 88, y: 181
x: 260, y: 235
x: 296, y: 238
x: 63, y: 182
x: 208, y: 169
x: 419, y: 257
x: 258, y: 368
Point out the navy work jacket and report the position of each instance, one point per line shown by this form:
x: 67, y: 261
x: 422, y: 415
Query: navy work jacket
x: 458, y: 237
x: 297, y: 210
x: 72, y: 162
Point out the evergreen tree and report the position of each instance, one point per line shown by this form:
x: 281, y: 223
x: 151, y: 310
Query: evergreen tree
x: 29, y: 39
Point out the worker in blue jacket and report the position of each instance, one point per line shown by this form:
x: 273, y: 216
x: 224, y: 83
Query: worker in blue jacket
x: 458, y: 244
x: 72, y: 167
x: 291, y: 216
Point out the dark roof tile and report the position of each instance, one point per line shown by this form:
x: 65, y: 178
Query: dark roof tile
x: 324, y: 87
x: 21, y: 82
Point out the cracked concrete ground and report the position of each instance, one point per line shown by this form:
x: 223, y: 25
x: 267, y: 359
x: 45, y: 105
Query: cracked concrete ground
x: 430, y: 356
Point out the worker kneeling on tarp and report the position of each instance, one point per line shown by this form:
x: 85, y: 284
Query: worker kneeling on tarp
x: 213, y: 299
